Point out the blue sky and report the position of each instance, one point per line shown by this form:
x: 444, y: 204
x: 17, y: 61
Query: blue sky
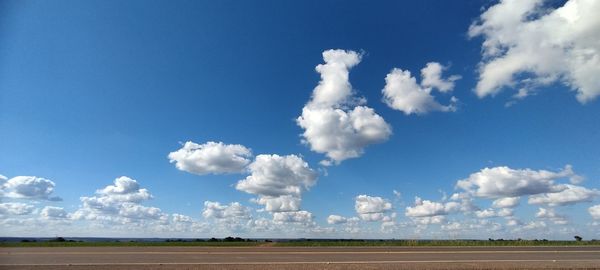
x: 91, y: 91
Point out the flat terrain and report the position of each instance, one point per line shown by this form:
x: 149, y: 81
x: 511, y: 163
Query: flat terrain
x: 269, y: 257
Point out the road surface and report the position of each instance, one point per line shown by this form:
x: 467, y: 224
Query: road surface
x: 116, y: 258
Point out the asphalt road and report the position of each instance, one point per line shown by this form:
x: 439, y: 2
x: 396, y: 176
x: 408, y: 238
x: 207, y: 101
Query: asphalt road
x: 115, y: 258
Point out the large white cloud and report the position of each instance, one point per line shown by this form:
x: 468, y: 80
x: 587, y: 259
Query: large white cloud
x: 403, y: 93
x: 229, y: 218
x: 179, y: 218
x: 489, y: 213
x: 533, y: 225
x: 28, y: 187
x: 124, y: 189
x: 302, y: 217
x: 211, y: 157
x: 426, y: 208
x: 431, y: 77
x: 336, y: 219
x: 334, y: 87
x: 284, y: 203
x: 15, y: 208
x: 334, y: 122
x: 53, y: 212
x: 470, y: 226
x: 508, y: 202
x: 595, y: 211
x: 371, y: 208
x: 570, y: 195
x: 120, y: 203
x: 528, y: 45
x: 428, y: 220
x: 500, y: 182
x: 219, y: 211
x: 139, y: 212
x: 550, y: 214
x: 274, y: 175
x: 278, y: 181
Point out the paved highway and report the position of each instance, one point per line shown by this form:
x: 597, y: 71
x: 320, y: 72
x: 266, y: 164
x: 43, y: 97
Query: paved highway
x: 300, y: 258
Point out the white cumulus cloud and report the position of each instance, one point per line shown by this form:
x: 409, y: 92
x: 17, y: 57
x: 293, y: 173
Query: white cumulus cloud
x: 595, y: 211
x: 550, y: 214
x: 15, y: 208
x: 28, y: 187
x: 426, y: 208
x: 334, y: 122
x: 219, y: 211
x: 278, y: 181
x: 119, y: 203
x: 528, y: 45
x: 179, y: 218
x: 501, y: 182
x: 124, y: 189
x: 489, y: 213
x: 53, y: 212
x: 336, y: 219
x: 570, y: 195
x: 403, y: 93
x: 302, y: 217
x: 428, y: 220
x: 284, y: 203
x: 211, y: 157
x: 431, y: 76
x: 508, y: 202
x: 370, y: 208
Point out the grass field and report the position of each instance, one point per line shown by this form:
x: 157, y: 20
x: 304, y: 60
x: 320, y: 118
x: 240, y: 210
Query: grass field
x: 308, y: 243
x: 127, y: 244
x: 325, y: 243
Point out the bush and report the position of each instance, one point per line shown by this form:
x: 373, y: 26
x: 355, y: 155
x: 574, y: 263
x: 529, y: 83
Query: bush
x: 58, y: 239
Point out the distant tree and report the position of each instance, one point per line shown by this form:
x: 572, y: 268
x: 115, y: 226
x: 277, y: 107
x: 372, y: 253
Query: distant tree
x: 578, y: 238
x: 58, y: 239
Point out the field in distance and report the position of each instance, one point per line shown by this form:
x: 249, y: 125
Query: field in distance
x: 239, y: 242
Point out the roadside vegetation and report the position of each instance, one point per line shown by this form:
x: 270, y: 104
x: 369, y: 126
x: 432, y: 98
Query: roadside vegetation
x: 237, y: 241
x: 63, y: 242
x: 459, y: 243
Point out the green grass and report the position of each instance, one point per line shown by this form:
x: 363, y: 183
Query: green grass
x: 310, y: 243
x: 126, y: 244
x: 425, y: 243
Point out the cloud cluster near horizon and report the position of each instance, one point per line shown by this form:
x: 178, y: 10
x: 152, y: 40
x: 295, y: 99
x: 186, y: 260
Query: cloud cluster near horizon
x: 121, y: 206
